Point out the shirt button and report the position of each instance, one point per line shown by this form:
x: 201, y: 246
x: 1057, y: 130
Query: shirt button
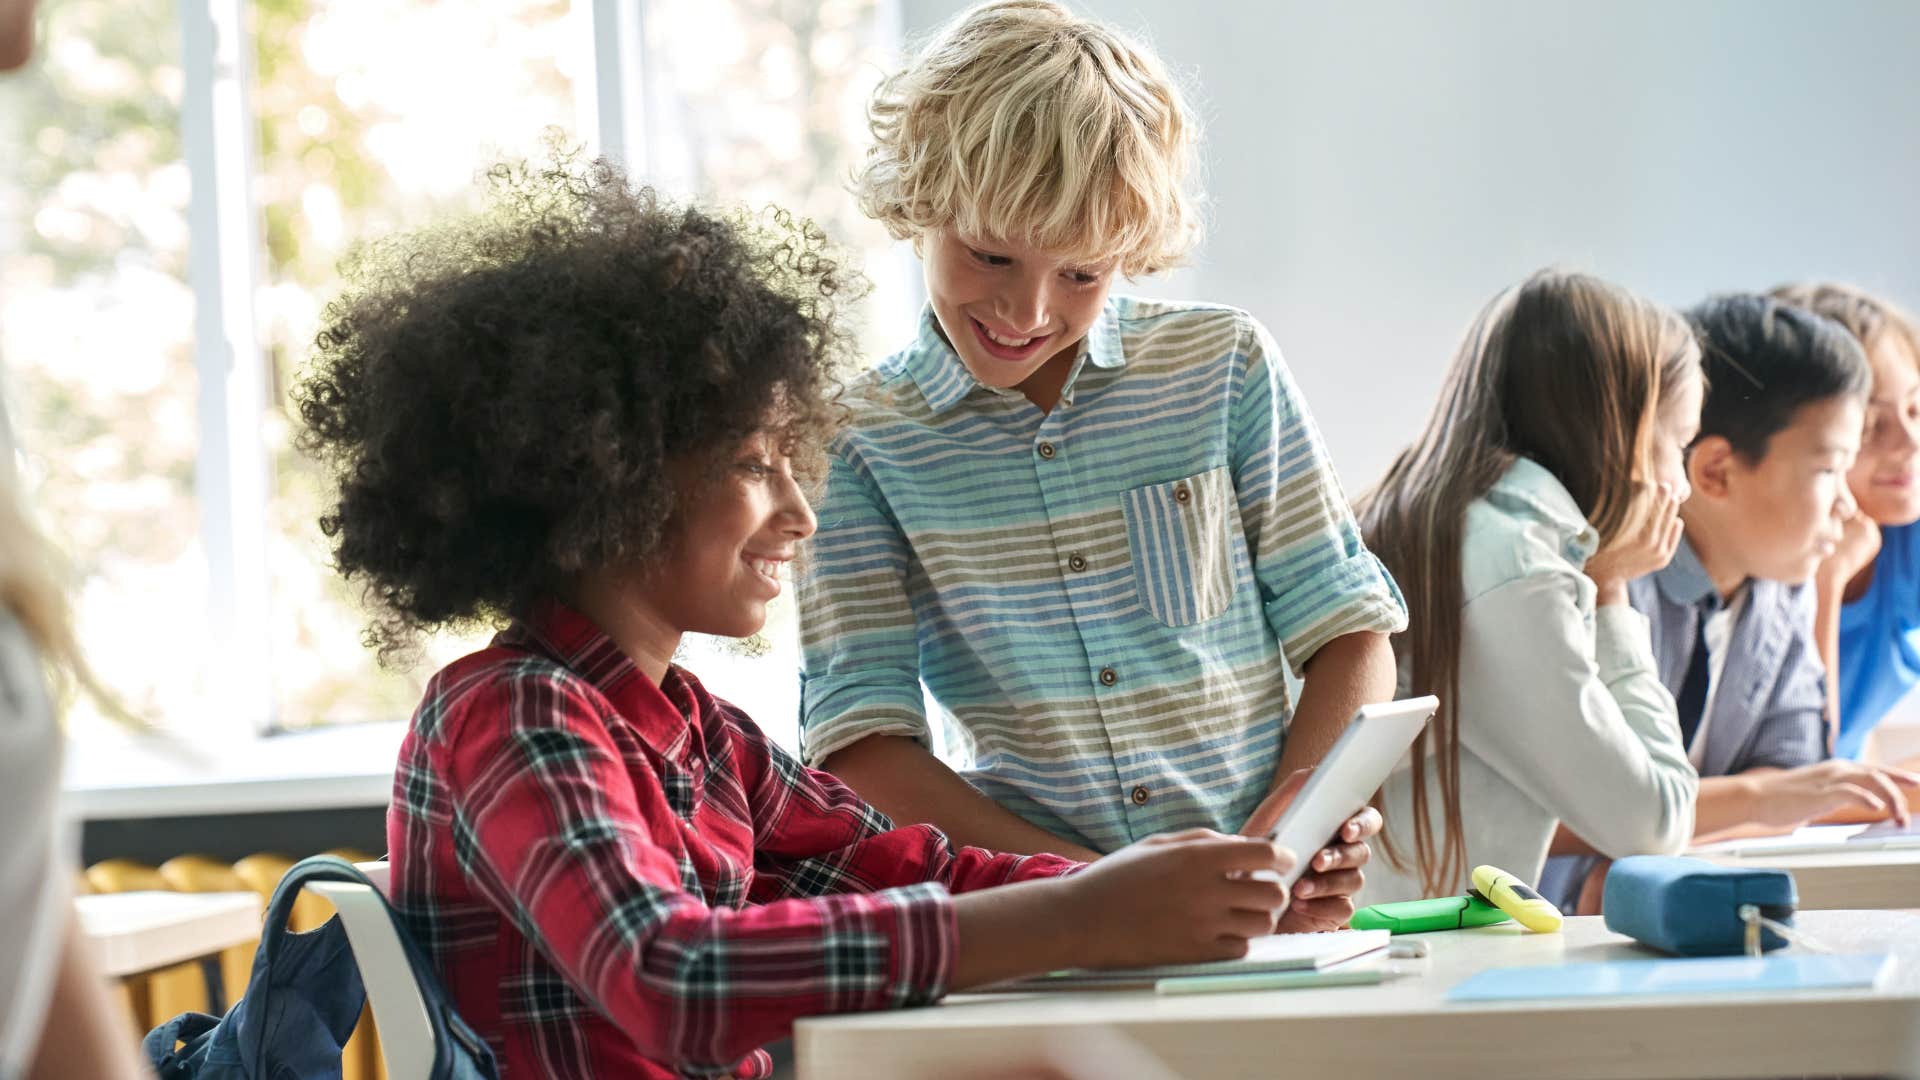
x: 1181, y: 494
x: 1046, y: 450
x: 1076, y: 564
x: 1108, y: 676
x: 1140, y: 796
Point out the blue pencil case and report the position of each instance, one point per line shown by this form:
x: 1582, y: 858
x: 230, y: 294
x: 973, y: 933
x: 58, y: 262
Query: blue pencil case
x: 1691, y: 907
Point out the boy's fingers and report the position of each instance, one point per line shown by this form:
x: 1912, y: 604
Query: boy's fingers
x: 1338, y: 883
x: 1341, y: 857
x: 1366, y: 823
x: 1328, y: 913
x: 1889, y: 791
x: 1862, y: 796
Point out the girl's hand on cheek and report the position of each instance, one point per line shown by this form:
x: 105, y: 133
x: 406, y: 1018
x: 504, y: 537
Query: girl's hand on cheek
x: 1646, y: 543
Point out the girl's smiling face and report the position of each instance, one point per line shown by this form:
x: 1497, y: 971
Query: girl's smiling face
x: 1885, y: 478
x: 731, y: 542
x: 734, y: 532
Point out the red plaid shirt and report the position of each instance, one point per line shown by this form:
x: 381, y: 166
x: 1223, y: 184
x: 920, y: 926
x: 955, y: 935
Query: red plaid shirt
x: 621, y: 879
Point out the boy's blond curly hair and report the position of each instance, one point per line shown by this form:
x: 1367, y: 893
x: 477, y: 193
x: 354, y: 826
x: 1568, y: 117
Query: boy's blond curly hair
x: 1021, y: 121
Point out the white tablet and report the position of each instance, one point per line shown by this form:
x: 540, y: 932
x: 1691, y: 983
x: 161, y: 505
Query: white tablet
x: 1345, y: 780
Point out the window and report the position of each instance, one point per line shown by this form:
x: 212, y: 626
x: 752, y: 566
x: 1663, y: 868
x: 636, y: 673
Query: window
x: 96, y: 335
x: 170, y: 235
x: 364, y: 130
x: 765, y: 103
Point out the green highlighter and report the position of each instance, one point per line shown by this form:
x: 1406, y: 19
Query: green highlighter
x: 1422, y: 916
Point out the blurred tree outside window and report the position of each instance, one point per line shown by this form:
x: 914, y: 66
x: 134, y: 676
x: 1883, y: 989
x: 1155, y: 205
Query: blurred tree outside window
x: 370, y: 118
x: 96, y: 335
x: 373, y: 118
x: 763, y: 102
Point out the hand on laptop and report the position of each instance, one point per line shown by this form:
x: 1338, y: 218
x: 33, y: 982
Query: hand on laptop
x: 1836, y: 791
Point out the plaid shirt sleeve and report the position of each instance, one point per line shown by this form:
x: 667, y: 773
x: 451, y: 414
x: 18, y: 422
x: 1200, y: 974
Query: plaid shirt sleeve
x: 549, y: 829
x: 814, y: 837
x: 1317, y: 578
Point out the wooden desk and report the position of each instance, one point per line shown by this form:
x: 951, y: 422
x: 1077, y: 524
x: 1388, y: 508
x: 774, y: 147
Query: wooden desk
x: 1845, y: 879
x: 1403, y: 1027
x: 135, y: 933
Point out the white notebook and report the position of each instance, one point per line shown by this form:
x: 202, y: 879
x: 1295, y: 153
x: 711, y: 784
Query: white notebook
x: 1276, y: 952
x: 1820, y: 839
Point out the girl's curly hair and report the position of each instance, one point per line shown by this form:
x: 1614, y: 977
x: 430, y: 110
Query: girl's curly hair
x: 499, y: 397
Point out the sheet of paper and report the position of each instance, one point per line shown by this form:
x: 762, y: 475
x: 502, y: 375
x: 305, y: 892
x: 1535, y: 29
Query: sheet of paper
x: 1815, y: 839
x: 1681, y: 976
x: 1276, y: 952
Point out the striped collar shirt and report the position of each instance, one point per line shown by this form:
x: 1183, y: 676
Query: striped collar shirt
x: 1100, y: 597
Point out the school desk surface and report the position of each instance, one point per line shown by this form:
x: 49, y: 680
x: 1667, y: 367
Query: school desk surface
x: 1887, y: 879
x: 1404, y: 1027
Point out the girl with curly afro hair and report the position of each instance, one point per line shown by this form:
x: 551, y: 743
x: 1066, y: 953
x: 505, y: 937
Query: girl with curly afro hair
x: 586, y: 413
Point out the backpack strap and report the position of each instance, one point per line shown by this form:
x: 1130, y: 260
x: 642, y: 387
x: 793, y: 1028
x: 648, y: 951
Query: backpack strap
x: 189, y: 1028
x: 449, y: 1030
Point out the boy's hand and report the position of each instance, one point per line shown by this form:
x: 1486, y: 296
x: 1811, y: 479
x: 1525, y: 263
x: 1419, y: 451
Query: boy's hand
x: 1323, y: 897
x: 1793, y: 797
x: 1645, y: 544
x: 1180, y: 897
x: 1859, y: 545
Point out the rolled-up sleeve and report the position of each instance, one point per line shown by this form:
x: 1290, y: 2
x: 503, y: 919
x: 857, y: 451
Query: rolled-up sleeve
x: 1317, y: 579
x: 860, y: 658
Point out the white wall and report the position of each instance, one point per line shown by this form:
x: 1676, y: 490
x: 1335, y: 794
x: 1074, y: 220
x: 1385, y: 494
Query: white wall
x: 1378, y: 170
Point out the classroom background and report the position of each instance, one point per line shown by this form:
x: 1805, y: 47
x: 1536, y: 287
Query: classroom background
x: 181, y: 179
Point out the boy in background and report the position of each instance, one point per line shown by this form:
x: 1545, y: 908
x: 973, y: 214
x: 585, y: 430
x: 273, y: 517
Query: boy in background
x: 1868, y: 623
x: 1732, y: 614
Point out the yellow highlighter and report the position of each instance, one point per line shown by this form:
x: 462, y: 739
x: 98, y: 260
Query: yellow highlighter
x: 1516, y: 898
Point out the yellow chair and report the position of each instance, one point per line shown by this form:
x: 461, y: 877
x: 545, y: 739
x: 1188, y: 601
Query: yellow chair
x: 160, y: 996
x: 200, y: 874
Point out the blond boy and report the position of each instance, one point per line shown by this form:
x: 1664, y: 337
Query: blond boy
x: 1095, y: 527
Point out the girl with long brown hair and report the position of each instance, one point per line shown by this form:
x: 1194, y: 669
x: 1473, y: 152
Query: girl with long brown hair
x: 1549, y: 475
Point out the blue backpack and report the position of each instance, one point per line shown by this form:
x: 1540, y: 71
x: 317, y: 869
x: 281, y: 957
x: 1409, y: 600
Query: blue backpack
x: 302, y: 1003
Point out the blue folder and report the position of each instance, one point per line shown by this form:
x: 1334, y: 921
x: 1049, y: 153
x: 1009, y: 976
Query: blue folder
x: 1690, y: 975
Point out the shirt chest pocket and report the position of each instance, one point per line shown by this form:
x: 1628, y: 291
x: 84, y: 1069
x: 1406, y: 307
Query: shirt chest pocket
x: 1181, y: 537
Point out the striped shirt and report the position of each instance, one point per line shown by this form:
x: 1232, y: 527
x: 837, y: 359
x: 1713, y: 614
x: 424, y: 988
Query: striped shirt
x: 1100, y: 596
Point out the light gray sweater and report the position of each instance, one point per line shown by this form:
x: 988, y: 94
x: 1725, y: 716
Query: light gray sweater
x: 1562, y: 713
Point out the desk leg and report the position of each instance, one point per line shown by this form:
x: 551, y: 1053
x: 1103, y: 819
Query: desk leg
x: 216, y: 984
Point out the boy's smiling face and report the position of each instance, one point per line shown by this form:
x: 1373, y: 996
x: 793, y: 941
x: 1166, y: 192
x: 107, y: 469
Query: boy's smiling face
x: 1014, y: 314
x: 1886, y: 477
x: 1778, y: 517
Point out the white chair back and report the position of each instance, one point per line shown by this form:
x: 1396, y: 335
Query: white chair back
x: 406, y: 1034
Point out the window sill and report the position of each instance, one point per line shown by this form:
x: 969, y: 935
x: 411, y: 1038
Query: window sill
x: 339, y: 768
